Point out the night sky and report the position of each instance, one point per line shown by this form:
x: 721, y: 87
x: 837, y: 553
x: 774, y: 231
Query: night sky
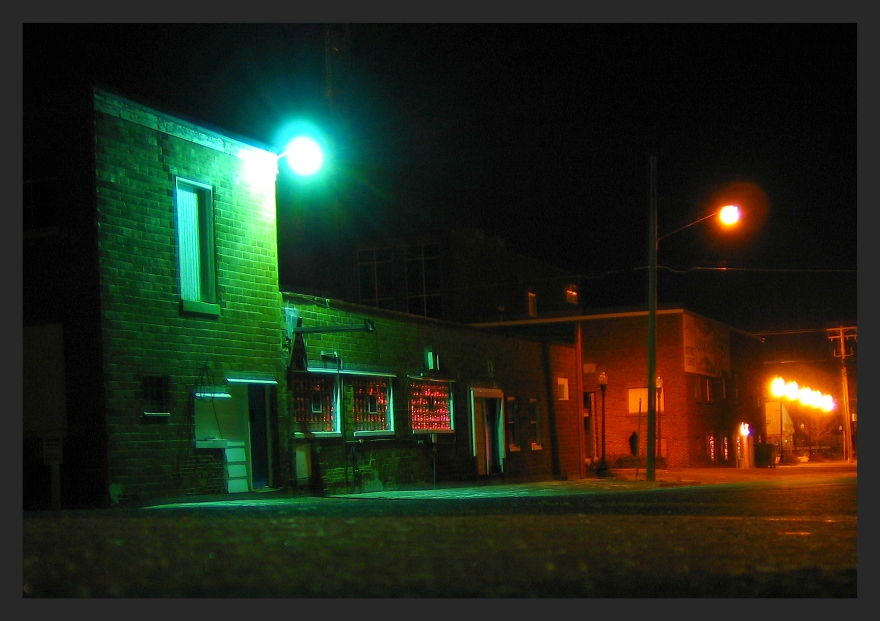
x: 541, y: 134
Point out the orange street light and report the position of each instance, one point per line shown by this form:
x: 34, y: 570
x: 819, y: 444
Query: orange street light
x: 729, y: 215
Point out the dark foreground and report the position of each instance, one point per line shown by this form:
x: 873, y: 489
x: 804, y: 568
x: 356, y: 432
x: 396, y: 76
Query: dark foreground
x: 778, y: 534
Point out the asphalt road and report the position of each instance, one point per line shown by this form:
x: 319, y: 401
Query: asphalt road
x: 769, y: 533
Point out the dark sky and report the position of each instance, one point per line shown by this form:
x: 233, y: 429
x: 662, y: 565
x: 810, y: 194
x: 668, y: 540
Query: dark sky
x: 541, y: 134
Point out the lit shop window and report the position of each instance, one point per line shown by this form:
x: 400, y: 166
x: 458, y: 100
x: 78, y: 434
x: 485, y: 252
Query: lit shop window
x: 713, y: 453
x: 571, y: 294
x: 368, y: 404
x: 430, y: 406
x: 315, y: 404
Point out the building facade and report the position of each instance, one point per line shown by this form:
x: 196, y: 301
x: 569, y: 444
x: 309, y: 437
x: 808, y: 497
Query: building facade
x: 711, y: 384
x: 161, y: 359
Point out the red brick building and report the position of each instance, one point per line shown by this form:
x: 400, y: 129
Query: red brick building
x: 711, y: 383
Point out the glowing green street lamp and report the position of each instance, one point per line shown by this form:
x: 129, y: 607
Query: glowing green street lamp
x: 304, y: 156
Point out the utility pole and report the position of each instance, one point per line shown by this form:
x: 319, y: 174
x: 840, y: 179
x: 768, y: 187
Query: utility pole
x: 840, y: 337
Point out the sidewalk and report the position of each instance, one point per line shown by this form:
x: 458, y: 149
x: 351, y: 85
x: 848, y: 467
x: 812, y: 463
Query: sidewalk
x: 618, y: 480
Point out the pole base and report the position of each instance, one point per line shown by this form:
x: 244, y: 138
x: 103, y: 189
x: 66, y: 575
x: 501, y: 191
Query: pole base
x: 603, y: 470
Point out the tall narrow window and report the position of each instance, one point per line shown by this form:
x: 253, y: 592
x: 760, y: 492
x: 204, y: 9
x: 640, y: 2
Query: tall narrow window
x: 571, y: 294
x: 423, y: 281
x: 374, y: 278
x: 533, y: 304
x: 195, y: 246
x: 511, y: 424
x: 535, y: 424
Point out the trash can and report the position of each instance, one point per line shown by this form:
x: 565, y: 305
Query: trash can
x: 765, y: 455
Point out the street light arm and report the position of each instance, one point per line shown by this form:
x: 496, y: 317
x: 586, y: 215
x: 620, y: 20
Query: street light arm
x: 686, y: 226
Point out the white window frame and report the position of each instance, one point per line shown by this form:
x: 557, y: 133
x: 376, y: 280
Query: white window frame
x: 194, y: 210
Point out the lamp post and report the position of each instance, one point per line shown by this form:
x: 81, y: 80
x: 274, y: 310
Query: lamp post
x: 729, y: 215
x: 603, y: 384
x: 658, y: 385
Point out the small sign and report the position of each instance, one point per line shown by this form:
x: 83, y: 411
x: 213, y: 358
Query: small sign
x: 52, y: 450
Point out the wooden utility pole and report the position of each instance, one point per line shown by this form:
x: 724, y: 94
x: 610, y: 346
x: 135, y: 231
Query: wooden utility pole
x: 840, y: 338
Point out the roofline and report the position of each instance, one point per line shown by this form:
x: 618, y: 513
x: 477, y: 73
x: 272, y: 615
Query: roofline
x: 599, y: 316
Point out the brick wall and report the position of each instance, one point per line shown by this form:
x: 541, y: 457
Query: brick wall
x: 397, y: 346
x: 138, y: 155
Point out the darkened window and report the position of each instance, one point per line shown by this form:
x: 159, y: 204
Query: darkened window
x: 374, y: 278
x: 703, y: 388
x: 155, y: 394
x: 535, y: 424
x: 423, y: 281
x: 194, y: 204
x: 511, y: 420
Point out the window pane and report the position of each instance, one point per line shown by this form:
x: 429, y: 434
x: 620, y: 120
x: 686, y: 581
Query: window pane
x: 414, y: 283
x: 432, y: 275
x: 384, y: 287
x: 367, y: 283
x: 415, y: 306
x: 433, y: 307
x: 188, y: 240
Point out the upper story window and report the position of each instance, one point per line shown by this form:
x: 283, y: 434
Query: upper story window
x: 423, y: 281
x: 571, y: 294
x: 562, y: 388
x: 194, y: 204
x: 703, y: 388
x: 533, y: 304
x: 374, y: 278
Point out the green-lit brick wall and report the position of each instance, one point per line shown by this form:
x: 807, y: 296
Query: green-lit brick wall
x: 397, y: 345
x: 139, y: 153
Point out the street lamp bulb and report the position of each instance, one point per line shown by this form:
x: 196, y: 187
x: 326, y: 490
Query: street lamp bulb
x: 304, y: 156
x: 659, y: 383
x: 603, y: 380
x: 729, y: 215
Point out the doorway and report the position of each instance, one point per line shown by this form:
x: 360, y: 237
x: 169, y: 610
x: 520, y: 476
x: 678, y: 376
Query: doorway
x: 258, y: 415
x: 487, y: 424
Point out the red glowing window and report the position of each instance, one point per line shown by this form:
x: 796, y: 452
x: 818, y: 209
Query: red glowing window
x: 430, y: 406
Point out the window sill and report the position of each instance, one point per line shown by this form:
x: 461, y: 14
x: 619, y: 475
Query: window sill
x: 536, y: 447
x: 200, y: 308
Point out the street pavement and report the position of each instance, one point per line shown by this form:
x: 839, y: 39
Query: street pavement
x: 710, y: 533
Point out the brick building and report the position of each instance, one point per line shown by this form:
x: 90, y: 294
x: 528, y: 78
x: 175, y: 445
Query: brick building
x: 161, y: 358
x: 712, y: 381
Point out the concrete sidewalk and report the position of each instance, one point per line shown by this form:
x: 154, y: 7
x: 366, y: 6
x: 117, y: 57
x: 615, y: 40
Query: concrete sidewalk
x: 617, y: 480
